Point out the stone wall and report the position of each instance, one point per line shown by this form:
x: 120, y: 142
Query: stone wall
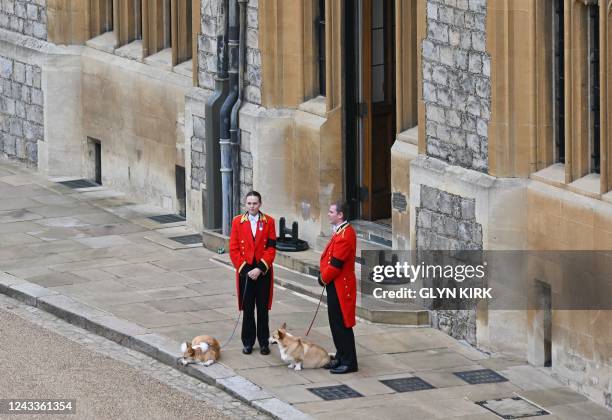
x: 447, y: 221
x: 457, y: 82
x: 207, y: 49
x: 198, y: 153
x: 21, y: 110
x: 246, y: 164
x: 28, y: 17
x: 252, y: 91
x: 207, y: 44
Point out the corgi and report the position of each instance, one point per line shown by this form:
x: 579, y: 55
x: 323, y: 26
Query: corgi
x: 203, y: 349
x: 299, y: 352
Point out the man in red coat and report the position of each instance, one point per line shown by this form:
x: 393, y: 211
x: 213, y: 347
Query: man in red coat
x: 337, y: 268
x: 252, y: 250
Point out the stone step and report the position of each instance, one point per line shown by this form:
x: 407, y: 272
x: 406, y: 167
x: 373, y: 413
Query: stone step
x: 307, y: 284
x: 373, y: 232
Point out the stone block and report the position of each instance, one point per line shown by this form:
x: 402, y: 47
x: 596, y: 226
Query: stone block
x: 447, y: 56
x: 432, y: 11
x: 196, y: 146
x: 246, y: 160
x: 475, y: 63
x: 459, y: 19
x: 8, y: 6
x: 20, y: 111
x: 20, y: 10
x: 440, y: 75
x: 430, y: 51
x: 478, y: 6
x: 453, y: 118
x: 243, y: 388
x: 463, y: 4
x: 482, y: 127
x: 429, y: 92
x: 15, y: 127
x: 35, y: 114
x: 437, y: 31
x: 199, y: 127
x: 468, y: 209
x: 280, y: 409
x: 252, y: 36
x: 32, y: 12
x: 479, y: 42
x: 36, y: 96
x: 37, y: 77
x: 444, y: 133
x: 444, y: 96
x: 6, y: 68
x: 16, y: 24
x: 424, y: 218
x: 252, y: 18
x: 435, y: 113
x: 7, y: 106
x: 25, y: 94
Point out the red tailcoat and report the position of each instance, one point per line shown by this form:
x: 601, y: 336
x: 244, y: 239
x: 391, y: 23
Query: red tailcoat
x: 338, y: 265
x: 244, y: 249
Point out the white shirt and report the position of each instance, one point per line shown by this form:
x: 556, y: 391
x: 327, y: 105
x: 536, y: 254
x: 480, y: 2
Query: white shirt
x: 338, y: 226
x: 254, y: 220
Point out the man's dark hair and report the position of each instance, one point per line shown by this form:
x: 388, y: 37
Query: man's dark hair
x: 253, y: 194
x: 341, y: 207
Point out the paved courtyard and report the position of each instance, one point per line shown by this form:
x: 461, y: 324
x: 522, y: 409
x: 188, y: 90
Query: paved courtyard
x: 98, y: 247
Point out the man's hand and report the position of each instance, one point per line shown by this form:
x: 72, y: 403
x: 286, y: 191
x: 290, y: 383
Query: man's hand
x: 254, y: 273
x: 320, y: 281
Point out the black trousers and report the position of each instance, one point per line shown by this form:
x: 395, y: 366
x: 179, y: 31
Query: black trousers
x: 343, y: 337
x: 257, y: 295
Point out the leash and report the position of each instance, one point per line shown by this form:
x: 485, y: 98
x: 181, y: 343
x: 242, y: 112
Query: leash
x: 180, y: 360
x: 316, y: 312
x: 246, y: 282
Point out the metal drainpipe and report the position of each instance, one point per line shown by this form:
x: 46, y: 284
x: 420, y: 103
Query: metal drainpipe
x: 224, y: 123
x: 212, y: 200
x: 235, y: 133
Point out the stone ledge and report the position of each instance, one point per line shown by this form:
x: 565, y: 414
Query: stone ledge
x: 138, y: 338
x: 468, y: 176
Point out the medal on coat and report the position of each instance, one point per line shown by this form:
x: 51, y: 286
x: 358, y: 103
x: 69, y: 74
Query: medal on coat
x: 260, y: 225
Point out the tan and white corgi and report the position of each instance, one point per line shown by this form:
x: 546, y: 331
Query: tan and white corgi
x: 299, y: 352
x: 203, y: 349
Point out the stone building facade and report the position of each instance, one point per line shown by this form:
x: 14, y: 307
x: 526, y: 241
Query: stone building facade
x: 446, y: 114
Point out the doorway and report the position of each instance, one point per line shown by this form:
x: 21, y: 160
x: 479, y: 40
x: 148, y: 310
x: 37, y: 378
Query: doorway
x: 93, y: 165
x: 181, y: 195
x: 370, y: 106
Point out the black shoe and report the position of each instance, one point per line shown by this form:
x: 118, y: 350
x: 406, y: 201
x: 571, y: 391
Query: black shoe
x: 343, y: 369
x: 332, y: 364
x: 265, y: 350
x: 247, y: 349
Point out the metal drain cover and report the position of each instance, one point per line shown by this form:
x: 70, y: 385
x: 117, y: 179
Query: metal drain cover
x: 407, y: 384
x: 513, y: 408
x: 188, y: 239
x: 167, y: 218
x: 79, y: 183
x: 336, y: 392
x: 482, y: 376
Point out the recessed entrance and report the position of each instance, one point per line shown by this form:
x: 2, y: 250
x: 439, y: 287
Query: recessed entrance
x: 370, y: 107
x: 180, y: 190
x: 94, y: 160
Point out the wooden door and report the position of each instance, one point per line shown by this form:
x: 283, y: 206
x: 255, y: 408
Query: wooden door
x: 378, y: 103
